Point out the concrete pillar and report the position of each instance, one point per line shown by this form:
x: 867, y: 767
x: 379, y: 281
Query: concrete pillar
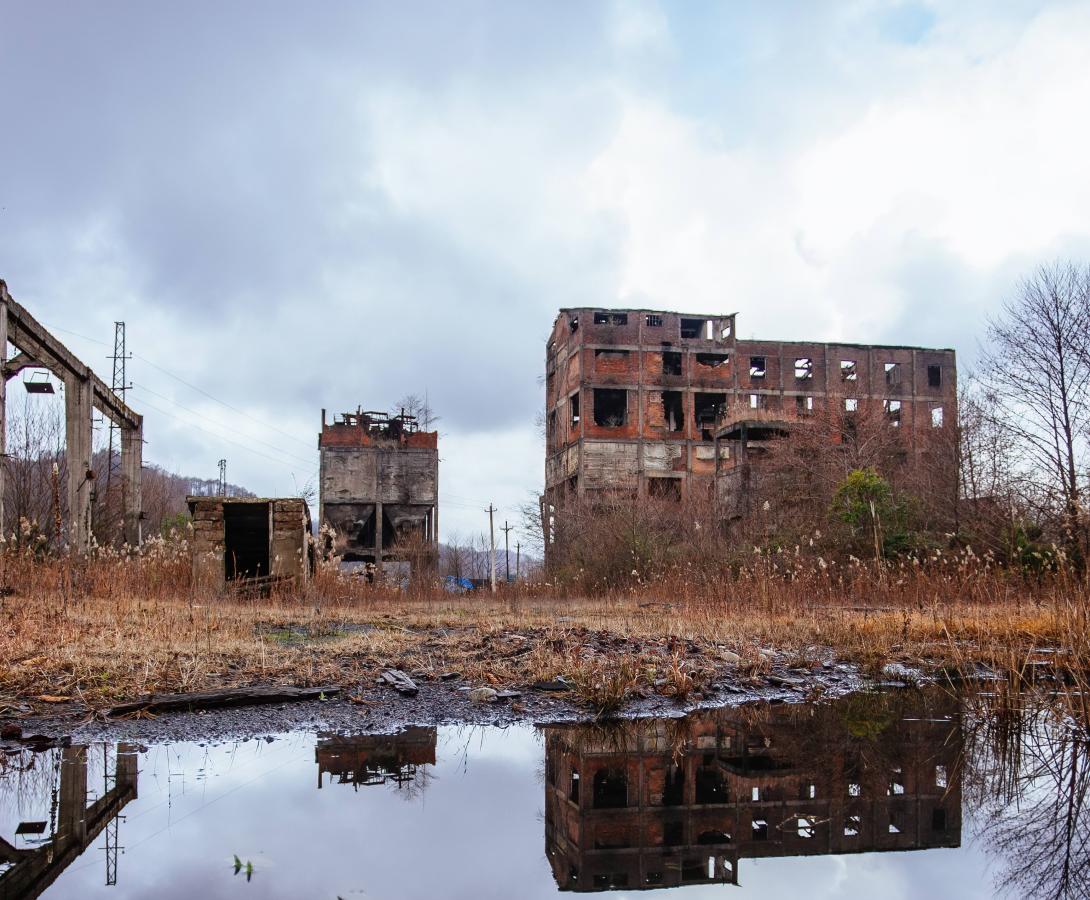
x: 77, y: 426
x: 3, y: 402
x: 72, y: 799
x: 378, y: 536
x: 132, y: 456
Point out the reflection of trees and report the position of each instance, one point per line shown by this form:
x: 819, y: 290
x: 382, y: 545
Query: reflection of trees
x: 1029, y: 781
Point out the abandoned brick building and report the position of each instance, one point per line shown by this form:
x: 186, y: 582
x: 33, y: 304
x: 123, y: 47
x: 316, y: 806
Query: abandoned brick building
x: 662, y: 404
x: 665, y: 802
x: 379, y: 486
x: 371, y: 759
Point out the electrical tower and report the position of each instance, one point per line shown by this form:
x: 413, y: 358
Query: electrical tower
x: 221, y: 490
x: 120, y: 386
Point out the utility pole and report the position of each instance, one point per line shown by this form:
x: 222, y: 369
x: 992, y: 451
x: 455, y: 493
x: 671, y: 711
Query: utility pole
x: 119, y: 386
x: 518, y: 556
x: 221, y: 490
x: 507, y: 550
x: 492, y: 542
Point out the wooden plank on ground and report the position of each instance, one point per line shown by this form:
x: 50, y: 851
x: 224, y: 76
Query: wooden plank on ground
x: 242, y: 696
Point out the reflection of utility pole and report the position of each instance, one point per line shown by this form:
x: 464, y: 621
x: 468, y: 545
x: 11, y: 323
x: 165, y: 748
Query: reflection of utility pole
x: 221, y: 488
x: 492, y: 544
x: 507, y: 550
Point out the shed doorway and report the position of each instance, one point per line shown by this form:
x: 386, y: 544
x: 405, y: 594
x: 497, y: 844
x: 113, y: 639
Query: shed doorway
x: 246, y: 540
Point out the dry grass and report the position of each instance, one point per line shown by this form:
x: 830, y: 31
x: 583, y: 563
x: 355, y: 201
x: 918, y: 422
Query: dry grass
x: 113, y: 627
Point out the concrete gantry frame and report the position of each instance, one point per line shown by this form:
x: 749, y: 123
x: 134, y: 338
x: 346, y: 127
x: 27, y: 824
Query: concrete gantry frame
x: 84, y: 392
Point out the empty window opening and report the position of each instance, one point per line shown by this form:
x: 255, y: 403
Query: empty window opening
x: 848, y: 371
x: 709, y: 838
x: 760, y: 830
x: 573, y: 485
x: 610, y: 354
x: 610, y: 407
x: 940, y: 776
x: 610, y: 318
x: 552, y: 424
x: 757, y: 367
x: 673, y: 834
x: 725, y: 330
x: 754, y: 401
x: 673, y: 794
x: 893, y: 412
x: 851, y: 404
x: 712, y: 360
x: 709, y: 330
x: 245, y: 540
x: 755, y: 794
x: 706, y: 410
x: 573, y: 792
x: 653, y: 320
x: 804, y: 406
x: 653, y: 878
x: 692, y: 870
x: 855, y: 789
x: 574, y: 402
x: 938, y: 819
x: 710, y: 785
x: 610, y: 789
x: 934, y: 376
x: 573, y: 324
x: 805, y: 827
x: 894, y: 829
x: 804, y: 368
x: 851, y: 826
x: 893, y: 373
x: 672, y: 413
x: 811, y: 792
x: 936, y: 416
x: 664, y: 488
x: 691, y: 328
x: 671, y: 362
x: 611, y: 880
x: 896, y: 783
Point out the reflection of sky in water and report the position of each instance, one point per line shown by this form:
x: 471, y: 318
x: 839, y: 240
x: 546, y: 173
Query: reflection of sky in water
x: 473, y: 828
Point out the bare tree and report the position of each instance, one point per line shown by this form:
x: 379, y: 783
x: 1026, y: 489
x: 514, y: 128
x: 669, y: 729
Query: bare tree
x: 415, y: 405
x: 1036, y: 368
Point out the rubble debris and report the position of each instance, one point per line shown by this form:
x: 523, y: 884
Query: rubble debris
x: 400, y: 682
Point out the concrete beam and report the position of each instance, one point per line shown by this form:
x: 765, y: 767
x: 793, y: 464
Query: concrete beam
x: 77, y: 425
x: 17, y: 363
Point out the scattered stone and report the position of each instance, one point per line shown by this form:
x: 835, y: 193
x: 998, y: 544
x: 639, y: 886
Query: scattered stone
x: 729, y: 656
x: 783, y: 681
x: 508, y: 695
x: 483, y: 695
x: 558, y: 685
x: 450, y: 676
x: 400, y: 682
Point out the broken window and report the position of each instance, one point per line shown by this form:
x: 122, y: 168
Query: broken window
x: 851, y: 826
x: 804, y: 406
x: 893, y: 373
x: 893, y: 412
x: 672, y: 413
x: 671, y: 362
x: 940, y: 776
x: 938, y: 819
x: 610, y: 789
x: 712, y: 360
x: 691, y: 328
x: 573, y: 324
x: 757, y: 367
x: 934, y: 376
x: 710, y: 838
x: 805, y: 827
x: 552, y: 424
x: 804, y: 367
x: 855, y: 789
x: 610, y: 407
x: 654, y: 320
x: 574, y: 402
x: 755, y: 401
x: 664, y: 488
x: 725, y: 331
x: 610, y: 318
x: 706, y: 409
x: 673, y: 793
x: 936, y: 416
x: 573, y: 793
x: 851, y: 404
x: 896, y: 783
x: 673, y: 834
x: 760, y: 830
x: 611, y: 354
x: 848, y: 371
x: 711, y: 786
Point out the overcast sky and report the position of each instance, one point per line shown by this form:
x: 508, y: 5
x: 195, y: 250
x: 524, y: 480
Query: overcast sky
x: 296, y: 206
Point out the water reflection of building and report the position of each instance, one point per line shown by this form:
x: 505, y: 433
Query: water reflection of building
x: 661, y: 803
x: 31, y: 870
x: 375, y: 758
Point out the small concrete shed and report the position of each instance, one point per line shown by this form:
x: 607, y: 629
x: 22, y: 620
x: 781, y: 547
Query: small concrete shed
x: 250, y: 538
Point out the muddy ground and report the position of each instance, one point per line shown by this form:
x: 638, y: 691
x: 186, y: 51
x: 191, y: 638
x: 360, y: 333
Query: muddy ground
x: 374, y: 708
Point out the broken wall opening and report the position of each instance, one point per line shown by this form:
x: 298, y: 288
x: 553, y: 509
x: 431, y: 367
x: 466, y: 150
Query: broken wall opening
x: 246, y: 540
x: 664, y: 488
x: 671, y: 362
x: 610, y: 407
x: 672, y: 410
x: 706, y: 409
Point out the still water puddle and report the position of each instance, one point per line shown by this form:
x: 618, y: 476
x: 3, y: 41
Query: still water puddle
x: 907, y: 794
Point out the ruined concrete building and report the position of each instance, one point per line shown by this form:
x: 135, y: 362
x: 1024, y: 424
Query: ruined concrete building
x: 249, y: 538
x: 650, y: 403
x: 379, y: 487
x: 662, y: 803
